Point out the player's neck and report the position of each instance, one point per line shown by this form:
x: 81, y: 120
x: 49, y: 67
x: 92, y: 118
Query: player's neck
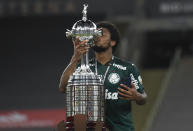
x: 104, y: 57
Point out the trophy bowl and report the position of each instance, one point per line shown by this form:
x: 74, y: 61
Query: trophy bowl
x: 84, y: 29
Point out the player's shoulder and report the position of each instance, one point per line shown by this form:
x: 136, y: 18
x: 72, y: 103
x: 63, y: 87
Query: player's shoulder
x: 125, y: 65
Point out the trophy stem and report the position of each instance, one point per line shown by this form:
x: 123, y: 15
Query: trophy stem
x: 85, y: 63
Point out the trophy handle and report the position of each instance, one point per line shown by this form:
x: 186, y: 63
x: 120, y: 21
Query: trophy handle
x: 68, y: 33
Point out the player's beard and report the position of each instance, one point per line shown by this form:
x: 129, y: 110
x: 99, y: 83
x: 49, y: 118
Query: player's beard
x: 100, y: 49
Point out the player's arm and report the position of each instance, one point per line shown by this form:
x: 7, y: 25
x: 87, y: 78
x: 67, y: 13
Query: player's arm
x: 66, y: 74
x: 79, y: 49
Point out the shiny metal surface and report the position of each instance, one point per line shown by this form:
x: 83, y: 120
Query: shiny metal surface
x: 84, y: 29
x: 85, y: 89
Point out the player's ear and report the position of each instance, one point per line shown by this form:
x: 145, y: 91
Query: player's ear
x: 113, y: 43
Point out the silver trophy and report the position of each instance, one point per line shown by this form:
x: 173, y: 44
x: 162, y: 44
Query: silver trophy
x: 85, y: 89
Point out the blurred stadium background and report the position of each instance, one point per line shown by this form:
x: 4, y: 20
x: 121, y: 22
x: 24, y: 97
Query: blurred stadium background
x: 157, y: 35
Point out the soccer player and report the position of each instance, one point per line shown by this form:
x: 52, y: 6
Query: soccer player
x: 122, y: 80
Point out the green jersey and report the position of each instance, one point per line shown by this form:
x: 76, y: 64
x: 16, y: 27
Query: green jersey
x: 117, y: 111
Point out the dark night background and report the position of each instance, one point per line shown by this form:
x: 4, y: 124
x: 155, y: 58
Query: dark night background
x: 157, y: 35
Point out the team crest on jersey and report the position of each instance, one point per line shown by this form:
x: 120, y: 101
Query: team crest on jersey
x: 114, y: 78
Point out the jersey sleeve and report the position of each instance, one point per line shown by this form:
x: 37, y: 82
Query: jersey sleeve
x: 136, y: 79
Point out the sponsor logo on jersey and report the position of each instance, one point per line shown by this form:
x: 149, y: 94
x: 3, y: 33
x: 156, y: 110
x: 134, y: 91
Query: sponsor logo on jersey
x: 114, y: 78
x: 134, y: 81
x: 120, y: 66
x: 140, y: 80
x: 110, y: 95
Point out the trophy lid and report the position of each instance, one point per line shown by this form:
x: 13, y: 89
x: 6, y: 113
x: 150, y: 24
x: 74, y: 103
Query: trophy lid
x: 84, y: 23
x: 84, y: 12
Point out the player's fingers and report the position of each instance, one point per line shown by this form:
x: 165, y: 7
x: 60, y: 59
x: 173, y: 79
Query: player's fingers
x: 84, y: 50
x: 124, y: 91
x: 124, y: 86
x: 122, y: 94
x: 76, y: 41
x: 83, y: 43
x: 132, y: 85
x: 82, y: 46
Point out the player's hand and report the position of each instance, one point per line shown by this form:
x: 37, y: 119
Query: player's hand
x: 127, y: 93
x: 80, y: 48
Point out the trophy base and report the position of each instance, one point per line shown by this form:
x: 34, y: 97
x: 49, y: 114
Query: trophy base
x: 79, y: 123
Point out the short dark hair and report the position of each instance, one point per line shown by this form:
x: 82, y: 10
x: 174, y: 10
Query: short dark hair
x: 115, y: 34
